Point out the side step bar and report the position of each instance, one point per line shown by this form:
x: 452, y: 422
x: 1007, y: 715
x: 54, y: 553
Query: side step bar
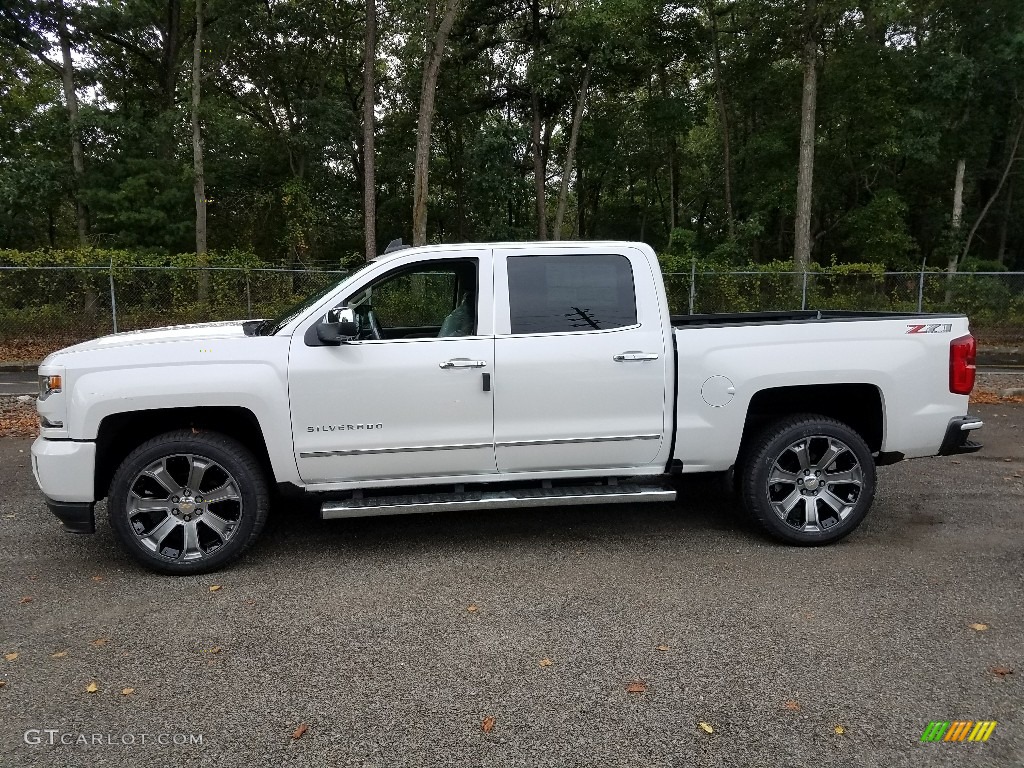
x: 526, y: 497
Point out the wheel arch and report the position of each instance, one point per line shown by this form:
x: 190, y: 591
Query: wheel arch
x: 859, y: 406
x: 120, y: 433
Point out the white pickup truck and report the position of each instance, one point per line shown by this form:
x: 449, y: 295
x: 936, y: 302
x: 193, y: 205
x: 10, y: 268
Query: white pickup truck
x: 485, y: 376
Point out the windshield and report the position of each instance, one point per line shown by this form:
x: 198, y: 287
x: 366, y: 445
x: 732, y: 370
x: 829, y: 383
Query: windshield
x: 270, y: 327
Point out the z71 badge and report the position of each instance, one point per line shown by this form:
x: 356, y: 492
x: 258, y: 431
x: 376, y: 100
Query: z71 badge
x: 933, y: 328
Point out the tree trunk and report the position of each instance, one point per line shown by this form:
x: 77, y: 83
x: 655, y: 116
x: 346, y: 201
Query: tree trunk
x: 723, y: 118
x: 570, y: 154
x: 1005, y: 225
x: 169, y: 54
x: 199, y: 176
x: 71, y: 103
x: 431, y: 70
x: 538, y: 170
x: 539, y: 167
x: 958, y: 211
x: 369, y: 161
x: 805, y: 172
x: 90, y: 299
x: 672, y: 192
x: 998, y: 189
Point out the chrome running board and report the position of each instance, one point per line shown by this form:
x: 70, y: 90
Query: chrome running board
x: 523, y: 497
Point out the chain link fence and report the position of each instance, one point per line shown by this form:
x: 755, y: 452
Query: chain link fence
x: 72, y: 303
x: 78, y: 303
x: 994, y: 301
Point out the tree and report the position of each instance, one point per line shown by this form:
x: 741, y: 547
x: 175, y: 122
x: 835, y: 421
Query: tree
x: 436, y: 40
x: 197, y: 156
x: 805, y: 171
x: 369, y: 125
x: 570, y: 152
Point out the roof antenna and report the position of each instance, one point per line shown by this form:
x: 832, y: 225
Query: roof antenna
x: 396, y: 245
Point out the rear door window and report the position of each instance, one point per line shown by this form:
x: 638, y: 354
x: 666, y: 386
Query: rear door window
x: 558, y: 294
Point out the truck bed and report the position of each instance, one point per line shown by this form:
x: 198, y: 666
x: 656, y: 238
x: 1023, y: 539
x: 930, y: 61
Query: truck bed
x: 794, y: 316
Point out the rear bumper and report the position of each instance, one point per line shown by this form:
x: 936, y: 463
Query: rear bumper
x: 75, y: 516
x: 958, y: 433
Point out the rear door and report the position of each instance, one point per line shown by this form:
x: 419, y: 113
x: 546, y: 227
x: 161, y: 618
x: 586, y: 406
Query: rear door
x: 581, y: 359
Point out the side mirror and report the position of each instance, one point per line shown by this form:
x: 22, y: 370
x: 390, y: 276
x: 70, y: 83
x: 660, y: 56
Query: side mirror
x: 339, y: 327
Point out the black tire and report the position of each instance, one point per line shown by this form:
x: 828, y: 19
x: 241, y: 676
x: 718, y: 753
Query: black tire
x: 801, y: 508
x: 182, y: 532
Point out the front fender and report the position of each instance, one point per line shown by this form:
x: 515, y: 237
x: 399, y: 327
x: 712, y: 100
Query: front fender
x: 256, y: 386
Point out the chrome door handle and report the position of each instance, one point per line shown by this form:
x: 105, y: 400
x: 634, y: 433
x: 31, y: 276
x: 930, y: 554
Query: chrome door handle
x: 463, y: 362
x: 629, y: 357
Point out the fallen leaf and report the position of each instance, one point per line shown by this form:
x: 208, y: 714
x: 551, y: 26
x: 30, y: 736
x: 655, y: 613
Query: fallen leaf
x: 3, y: 683
x: 91, y: 688
x: 662, y: 648
x: 299, y: 731
x: 25, y: 601
x: 215, y: 649
x: 546, y: 662
x: 979, y: 627
x: 100, y: 641
x: 792, y: 705
x: 636, y: 687
x: 1001, y: 671
x: 58, y: 655
x: 10, y: 656
x: 97, y: 578
x: 839, y: 729
x: 216, y: 588
x: 127, y: 691
x: 488, y: 724
x: 706, y: 728
x: 472, y: 609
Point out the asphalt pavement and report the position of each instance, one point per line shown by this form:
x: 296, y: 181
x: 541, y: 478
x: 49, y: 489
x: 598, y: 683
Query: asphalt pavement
x: 394, y: 639
x: 18, y: 383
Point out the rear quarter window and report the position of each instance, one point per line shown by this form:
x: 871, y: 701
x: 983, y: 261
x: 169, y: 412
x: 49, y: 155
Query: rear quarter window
x: 558, y: 294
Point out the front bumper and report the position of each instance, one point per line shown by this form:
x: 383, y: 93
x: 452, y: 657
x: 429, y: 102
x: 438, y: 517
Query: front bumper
x: 65, y: 471
x: 958, y: 433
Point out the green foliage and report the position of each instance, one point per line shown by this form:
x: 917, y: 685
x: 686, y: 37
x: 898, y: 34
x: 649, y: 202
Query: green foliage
x: 878, y: 231
x: 906, y: 89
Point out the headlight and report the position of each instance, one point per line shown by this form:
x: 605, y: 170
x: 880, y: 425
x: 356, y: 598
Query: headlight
x: 49, y: 385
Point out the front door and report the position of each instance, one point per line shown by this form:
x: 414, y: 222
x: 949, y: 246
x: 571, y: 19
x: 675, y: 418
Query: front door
x: 411, y: 396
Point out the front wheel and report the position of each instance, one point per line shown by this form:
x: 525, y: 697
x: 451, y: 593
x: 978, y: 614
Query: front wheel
x: 188, y: 502
x: 808, y: 480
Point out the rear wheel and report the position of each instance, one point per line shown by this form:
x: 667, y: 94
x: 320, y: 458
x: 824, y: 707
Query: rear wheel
x: 186, y: 502
x: 808, y: 479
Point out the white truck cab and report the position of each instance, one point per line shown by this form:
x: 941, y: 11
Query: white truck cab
x: 490, y: 375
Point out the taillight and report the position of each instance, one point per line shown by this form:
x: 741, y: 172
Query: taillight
x: 962, y: 353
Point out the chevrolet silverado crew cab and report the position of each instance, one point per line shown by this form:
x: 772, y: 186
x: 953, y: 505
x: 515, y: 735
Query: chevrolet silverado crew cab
x: 488, y: 376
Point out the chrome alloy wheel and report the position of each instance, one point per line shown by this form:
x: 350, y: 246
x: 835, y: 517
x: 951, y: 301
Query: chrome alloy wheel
x: 184, y: 507
x: 814, y: 483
